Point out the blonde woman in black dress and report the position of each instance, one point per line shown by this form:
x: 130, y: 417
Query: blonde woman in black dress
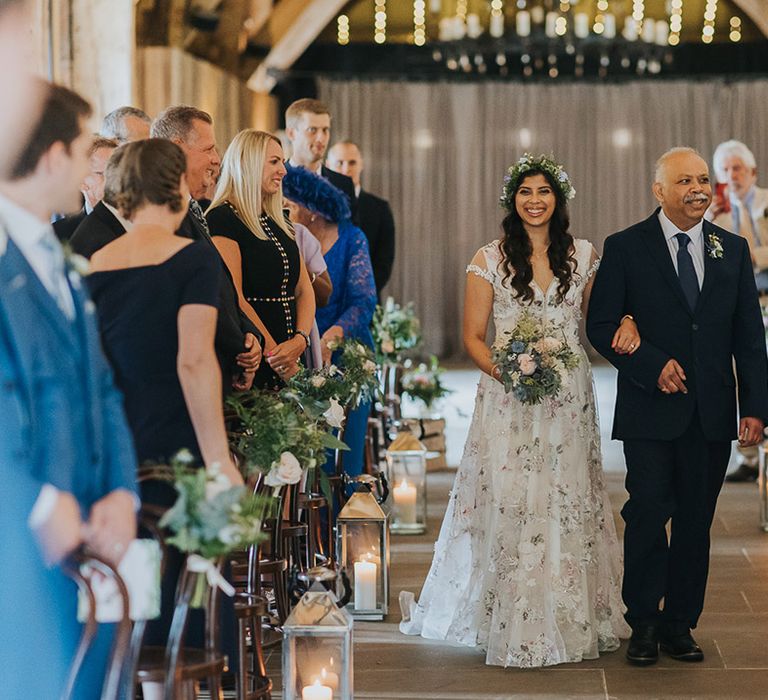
x: 258, y: 246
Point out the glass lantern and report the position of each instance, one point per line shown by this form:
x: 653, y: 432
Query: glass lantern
x: 317, y: 649
x: 362, y: 546
x: 407, y: 476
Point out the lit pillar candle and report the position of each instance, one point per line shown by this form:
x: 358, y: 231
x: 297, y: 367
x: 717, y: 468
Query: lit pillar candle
x: 316, y: 692
x: 662, y: 32
x: 549, y: 25
x: 326, y: 678
x: 610, y: 26
x: 581, y: 25
x: 405, y: 502
x: 496, y: 26
x: 522, y: 22
x: 365, y: 585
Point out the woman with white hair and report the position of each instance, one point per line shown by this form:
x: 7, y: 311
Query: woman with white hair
x: 259, y: 248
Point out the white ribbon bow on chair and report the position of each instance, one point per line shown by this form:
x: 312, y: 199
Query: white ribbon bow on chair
x: 200, y: 565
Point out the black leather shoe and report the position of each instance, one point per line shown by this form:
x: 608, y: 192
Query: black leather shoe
x: 643, y: 649
x: 744, y: 473
x: 681, y: 646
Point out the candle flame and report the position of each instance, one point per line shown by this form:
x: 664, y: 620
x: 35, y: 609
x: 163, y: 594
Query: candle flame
x: 323, y: 674
x: 404, y: 484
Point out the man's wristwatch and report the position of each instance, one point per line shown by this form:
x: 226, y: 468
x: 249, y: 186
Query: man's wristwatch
x: 303, y: 335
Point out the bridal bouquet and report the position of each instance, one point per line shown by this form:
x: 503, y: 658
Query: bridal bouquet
x: 210, y: 519
x: 533, y: 360
x: 395, y: 329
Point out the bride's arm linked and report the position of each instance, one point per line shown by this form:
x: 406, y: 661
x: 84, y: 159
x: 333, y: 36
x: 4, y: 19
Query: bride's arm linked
x: 607, y: 308
x: 626, y: 339
x: 478, y: 305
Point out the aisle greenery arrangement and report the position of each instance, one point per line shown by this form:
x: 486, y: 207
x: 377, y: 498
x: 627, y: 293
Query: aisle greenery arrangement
x: 210, y: 519
x: 424, y: 383
x: 322, y: 393
x: 358, y: 363
x: 396, y: 329
x: 277, y: 437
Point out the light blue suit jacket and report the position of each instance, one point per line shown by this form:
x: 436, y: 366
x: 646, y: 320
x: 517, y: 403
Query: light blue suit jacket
x: 61, y: 422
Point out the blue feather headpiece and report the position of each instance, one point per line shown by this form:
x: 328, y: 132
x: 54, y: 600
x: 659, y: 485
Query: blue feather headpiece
x: 316, y: 194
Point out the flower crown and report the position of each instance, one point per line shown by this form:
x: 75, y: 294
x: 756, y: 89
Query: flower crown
x: 526, y: 164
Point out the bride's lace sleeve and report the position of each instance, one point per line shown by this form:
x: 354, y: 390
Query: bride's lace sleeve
x: 484, y: 263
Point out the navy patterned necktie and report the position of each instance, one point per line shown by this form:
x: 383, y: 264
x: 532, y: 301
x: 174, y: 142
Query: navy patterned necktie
x: 197, y: 214
x: 686, y: 271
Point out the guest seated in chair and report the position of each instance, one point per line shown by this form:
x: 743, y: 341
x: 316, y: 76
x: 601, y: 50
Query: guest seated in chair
x: 317, y: 204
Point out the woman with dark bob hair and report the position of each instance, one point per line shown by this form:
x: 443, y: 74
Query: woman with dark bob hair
x: 527, y: 565
x: 156, y: 295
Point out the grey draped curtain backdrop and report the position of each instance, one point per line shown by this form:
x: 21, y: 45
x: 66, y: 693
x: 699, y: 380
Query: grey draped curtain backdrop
x: 438, y: 152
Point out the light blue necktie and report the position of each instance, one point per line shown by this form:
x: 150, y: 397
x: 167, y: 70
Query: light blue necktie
x: 54, y: 260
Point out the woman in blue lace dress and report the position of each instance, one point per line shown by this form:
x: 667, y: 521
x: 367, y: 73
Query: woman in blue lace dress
x: 324, y: 210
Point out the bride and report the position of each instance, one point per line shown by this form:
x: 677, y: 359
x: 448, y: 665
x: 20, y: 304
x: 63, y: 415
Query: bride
x: 527, y: 564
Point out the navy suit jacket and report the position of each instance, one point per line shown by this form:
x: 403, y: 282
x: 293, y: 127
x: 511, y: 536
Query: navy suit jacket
x: 637, y: 276
x: 378, y: 225
x: 61, y: 422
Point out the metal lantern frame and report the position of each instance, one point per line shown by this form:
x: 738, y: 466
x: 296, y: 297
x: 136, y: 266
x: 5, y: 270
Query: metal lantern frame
x: 411, y: 466
x: 362, y: 536
x: 317, y: 620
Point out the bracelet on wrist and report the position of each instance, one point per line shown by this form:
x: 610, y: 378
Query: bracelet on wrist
x: 625, y: 316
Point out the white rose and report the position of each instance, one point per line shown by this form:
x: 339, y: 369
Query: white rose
x: 317, y: 381
x: 387, y: 346
x: 334, y: 416
x: 230, y: 534
x: 184, y: 456
x: 361, y: 349
x: 369, y: 366
x: 286, y: 471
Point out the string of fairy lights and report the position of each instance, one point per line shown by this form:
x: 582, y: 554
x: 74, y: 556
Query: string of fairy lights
x: 521, y: 16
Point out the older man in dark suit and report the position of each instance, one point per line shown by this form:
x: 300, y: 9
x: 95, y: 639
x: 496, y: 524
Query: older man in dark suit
x: 689, y: 287
x: 92, y: 188
x: 374, y: 213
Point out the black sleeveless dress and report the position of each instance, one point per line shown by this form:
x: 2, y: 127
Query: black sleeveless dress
x: 270, y: 272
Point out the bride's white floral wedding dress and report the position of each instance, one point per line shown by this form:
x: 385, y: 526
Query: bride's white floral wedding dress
x: 527, y: 564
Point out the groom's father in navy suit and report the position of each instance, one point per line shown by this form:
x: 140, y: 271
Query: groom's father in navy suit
x: 690, y: 288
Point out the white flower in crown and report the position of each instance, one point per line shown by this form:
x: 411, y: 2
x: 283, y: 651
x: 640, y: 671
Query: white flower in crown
x: 317, y: 381
x: 286, y: 471
x: 334, y: 416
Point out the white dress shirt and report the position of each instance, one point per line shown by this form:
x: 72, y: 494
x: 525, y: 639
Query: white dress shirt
x: 41, y: 249
x: 695, y: 247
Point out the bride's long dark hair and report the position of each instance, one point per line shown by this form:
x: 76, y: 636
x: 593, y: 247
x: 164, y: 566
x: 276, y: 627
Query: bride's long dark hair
x: 517, y: 248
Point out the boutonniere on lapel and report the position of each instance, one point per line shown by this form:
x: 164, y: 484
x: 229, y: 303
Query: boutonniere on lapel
x: 76, y: 262
x: 714, y: 246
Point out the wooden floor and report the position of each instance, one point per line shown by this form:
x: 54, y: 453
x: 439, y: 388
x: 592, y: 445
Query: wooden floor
x: 733, y: 631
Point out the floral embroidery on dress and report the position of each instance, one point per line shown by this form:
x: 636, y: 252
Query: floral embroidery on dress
x: 527, y: 565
